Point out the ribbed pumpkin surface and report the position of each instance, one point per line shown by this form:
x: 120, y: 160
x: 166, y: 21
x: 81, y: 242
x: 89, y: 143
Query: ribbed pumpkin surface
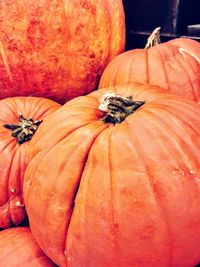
x: 128, y: 194
x: 175, y: 66
x: 18, y: 248
x: 13, y: 156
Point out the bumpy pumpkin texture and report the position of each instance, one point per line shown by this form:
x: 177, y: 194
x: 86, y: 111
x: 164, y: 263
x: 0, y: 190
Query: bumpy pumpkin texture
x: 57, y: 49
x: 174, y: 65
x: 19, y: 248
x: 15, y: 133
x: 117, y: 194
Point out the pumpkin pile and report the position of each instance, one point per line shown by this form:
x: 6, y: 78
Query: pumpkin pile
x: 96, y: 178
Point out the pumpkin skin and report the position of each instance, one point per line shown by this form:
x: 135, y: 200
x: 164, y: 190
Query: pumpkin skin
x: 189, y: 45
x: 174, y: 66
x: 57, y: 49
x: 13, y: 156
x: 117, y: 195
x: 18, y: 248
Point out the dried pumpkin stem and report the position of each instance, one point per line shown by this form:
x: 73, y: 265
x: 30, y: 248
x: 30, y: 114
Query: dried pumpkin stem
x: 117, y: 107
x: 154, y: 38
x: 24, y: 129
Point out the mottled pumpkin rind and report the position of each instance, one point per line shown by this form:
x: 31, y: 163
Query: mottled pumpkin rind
x: 57, y: 49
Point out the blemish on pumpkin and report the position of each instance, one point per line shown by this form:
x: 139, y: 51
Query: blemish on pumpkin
x: 181, y: 172
x: 178, y: 171
x: 12, y: 190
x: 68, y: 259
x: 19, y: 204
x: 184, y: 52
x: 135, y: 201
x: 147, y: 232
x: 193, y: 172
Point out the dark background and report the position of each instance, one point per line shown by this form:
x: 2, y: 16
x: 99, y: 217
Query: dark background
x: 175, y: 17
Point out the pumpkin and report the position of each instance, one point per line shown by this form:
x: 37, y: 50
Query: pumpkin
x: 57, y: 49
x: 187, y: 46
x: 173, y: 65
x: 19, y: 119
x: 18, y: 248
x: 113, y: 180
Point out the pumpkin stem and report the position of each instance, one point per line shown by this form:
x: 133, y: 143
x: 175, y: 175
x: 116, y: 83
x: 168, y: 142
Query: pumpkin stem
x: 117, y: 107
x: 24, y: 129
x: 154, y: 38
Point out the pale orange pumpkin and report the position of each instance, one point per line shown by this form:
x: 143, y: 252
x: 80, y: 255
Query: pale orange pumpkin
x: 174, y: 66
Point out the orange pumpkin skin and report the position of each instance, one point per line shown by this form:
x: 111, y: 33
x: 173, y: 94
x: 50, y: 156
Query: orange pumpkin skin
x: 188, y: 46
x: 13, y: 156
x: 128, y: 194
x: 174, y: 66
x: 18, y: 248
x: 57, y: 49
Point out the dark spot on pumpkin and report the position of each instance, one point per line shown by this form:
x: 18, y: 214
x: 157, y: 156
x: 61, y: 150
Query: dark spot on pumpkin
x: 147, y: 232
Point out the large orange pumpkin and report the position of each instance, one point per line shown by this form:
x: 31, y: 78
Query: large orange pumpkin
x: 174, y: 65
x: 19, y: 249
x: 19, y: 119
x: 117, y: 185
x: 57, y: 49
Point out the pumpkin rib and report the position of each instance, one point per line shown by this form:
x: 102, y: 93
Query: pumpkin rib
x: 16, y: 247
x: 190, y: 66
x: 61, y: 138
x: 147, y: 65
x: 108, y: 8
x: 19, y: 248
x: 157, y: 66
x: 45, y: 243
x: 11, y: 108
x: 180, y: 151
x: 114, y: 231
x: 176, y: 59
x: 14, y: 219
x: 186, y: 73
x: 157, y: 48
x: 178, y: 146
x: 10, y: 252
x: 116, y: 72
x: 9, y: 172
x: 129, y: 67
x: 38, y: 112
x: 85, y: 185
x: 115, y: 12
x: 149, y: 179
x: 74, y: 115
x: 177, y: 108
x: 34, y: 262
x: 84, y: 204
x: 58, y: 140
x: 194, y: 192
x: 10, y: 142
x: 84, y: 211
x: 165, y: 122
x: 78, y: 186
x: 178, y: 134
x: 19, y: 197
x: 138, y: 150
